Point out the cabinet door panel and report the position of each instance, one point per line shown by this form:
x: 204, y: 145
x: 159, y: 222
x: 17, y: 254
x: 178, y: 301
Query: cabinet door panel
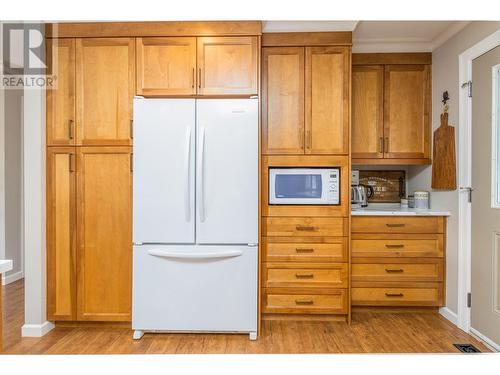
x: 227, y: 65
x: 283, y: 100
x: 104, y: 233
x: 406, y: 111
x: 367, y: 111
x: 61, y: 225
x: 105, y: 89
x: 327, y: 100
x: 61, y: 99
x: 166, y: 66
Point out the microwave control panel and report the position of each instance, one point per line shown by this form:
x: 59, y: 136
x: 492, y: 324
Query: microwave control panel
x: 333, y: 186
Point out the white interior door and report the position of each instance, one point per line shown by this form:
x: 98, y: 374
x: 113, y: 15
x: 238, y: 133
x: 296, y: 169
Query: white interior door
x: 485, y: 280
x: 227, y: 172
x: 164, y: 171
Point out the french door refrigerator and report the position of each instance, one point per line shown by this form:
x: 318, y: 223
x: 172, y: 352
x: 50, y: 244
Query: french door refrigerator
x: 195, y: 215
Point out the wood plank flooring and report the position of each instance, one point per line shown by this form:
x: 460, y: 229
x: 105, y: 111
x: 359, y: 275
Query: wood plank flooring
x: 370, y: 332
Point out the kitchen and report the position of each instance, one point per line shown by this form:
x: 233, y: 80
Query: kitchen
x: 232, y: 179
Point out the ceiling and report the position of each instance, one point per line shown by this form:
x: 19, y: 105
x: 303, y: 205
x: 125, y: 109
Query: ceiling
x: 380, y: 36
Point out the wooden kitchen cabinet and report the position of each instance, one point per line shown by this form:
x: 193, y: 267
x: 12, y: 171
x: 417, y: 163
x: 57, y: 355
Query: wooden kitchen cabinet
x: 61, y: 233
x: 104, y: 233
x: 327, y: 100
x: 391, y: 106
x: 283, y: 100
x: 407, y: 105
x: 60, y: 114
x: 89, y: 238
x: 305, y: 100
x: 227, y: 65
x: 105, y: 83
x: 166, y: 66
x: 368, y: 112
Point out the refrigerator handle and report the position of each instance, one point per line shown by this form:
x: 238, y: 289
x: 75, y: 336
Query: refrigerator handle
x: 187, y: 160
x: 184, y: 255
x: 201, y: 168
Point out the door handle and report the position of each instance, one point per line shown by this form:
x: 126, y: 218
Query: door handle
x: 381, y: 144
x: 131, y: 129
x: 71, y: 130
x: 71, y: 162
x: 193, y: 78
x: 201, y: 168
x: 199, y: 78
x: 184, y: 255
x: 469, y: 191
x: 187, y: 161
x: 386, y: 145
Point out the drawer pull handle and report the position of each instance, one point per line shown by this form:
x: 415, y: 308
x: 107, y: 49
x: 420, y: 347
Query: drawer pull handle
x: 304, y: 275
x: 305, y: 228
x: 399, y: 246
x: 304, y: 302
x: 396, y: 225
x: 389, y: 270
x: 299, y: 250
x: 394, y: 294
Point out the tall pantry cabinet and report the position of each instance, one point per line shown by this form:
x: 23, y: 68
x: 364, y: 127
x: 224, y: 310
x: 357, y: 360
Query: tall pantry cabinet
x: 89, y: 179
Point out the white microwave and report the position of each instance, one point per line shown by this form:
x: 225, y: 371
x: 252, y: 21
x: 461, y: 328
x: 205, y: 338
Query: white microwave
x: 304, y: 186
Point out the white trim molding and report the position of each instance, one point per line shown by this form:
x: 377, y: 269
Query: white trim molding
x: 36, y: 330
x: 8, y: 279
x: 486, y: 340
x: 464, y: 174
x: 449, y: 315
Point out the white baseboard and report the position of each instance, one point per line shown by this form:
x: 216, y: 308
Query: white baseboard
x: 36, y: 330
x: 7, y: 279
x: 487, y: 341
x: 448, y: 314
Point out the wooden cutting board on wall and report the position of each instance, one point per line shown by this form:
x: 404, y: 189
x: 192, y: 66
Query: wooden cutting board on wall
x: 444, y: 171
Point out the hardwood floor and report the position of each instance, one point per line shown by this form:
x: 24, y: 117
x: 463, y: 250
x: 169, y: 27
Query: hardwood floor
x: 370, y: 332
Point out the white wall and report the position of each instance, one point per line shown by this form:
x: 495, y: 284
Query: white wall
x: 445, y: 78
x: 13, y: 182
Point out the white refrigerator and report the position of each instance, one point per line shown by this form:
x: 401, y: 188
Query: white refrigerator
x: 195, y: 215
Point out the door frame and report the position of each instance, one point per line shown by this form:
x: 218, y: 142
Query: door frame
x: 465, y: 180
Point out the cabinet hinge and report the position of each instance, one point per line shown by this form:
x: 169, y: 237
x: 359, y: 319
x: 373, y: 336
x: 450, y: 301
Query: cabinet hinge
x: 468, y: 85
x: 469, y: 299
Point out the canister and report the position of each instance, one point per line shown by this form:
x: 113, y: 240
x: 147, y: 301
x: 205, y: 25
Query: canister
x: 421, y: 200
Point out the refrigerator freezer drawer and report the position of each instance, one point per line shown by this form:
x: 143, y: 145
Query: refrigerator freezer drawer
x: 195, y: 288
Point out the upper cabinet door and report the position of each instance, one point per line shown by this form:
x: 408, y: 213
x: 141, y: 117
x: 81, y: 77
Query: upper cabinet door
x: 283, y: 100
x: 406, y: 111
x: 327, y: 100
x: 367, y: 132
x: 61, y: 99
x: 166, y: 66
x: 105, y: 89
x: 227, y: 65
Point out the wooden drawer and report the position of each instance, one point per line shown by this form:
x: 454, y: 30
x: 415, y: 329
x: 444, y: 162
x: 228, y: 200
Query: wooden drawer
x: 302, y: 302
x: 304, y: 226
x: 333, y: 249
x: 325, y: 275
x: 425, y: 295
x: 397, y: 224
x: 401, y: 271
x: 397, y: 247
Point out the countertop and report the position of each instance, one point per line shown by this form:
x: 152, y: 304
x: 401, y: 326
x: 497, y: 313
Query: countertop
x: 395, y: 210
x: 5, y: 265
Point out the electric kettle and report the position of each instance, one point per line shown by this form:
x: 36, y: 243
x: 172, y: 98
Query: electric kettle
x: 360, y: 195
